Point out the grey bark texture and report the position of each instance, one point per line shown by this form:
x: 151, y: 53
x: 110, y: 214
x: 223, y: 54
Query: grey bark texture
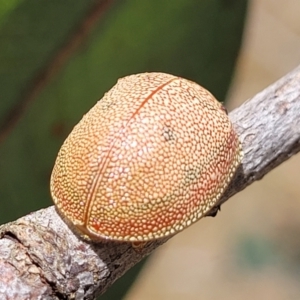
x: 40, y: 257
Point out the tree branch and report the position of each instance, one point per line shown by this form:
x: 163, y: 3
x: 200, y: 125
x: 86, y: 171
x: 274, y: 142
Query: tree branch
x: 41, y: 257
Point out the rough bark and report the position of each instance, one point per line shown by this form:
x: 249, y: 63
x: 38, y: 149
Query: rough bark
x: 40, y: 257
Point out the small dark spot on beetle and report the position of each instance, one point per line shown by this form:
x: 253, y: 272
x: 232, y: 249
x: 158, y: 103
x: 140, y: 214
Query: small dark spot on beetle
x: 107, y: 104
x: 191, y: 175
x: 168, y: 133
x: 214, y: 211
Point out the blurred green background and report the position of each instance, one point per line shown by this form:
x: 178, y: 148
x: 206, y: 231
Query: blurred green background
x: 57, y: 58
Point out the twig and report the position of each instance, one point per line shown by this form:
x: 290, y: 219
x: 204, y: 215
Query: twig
x: 40, y: 258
